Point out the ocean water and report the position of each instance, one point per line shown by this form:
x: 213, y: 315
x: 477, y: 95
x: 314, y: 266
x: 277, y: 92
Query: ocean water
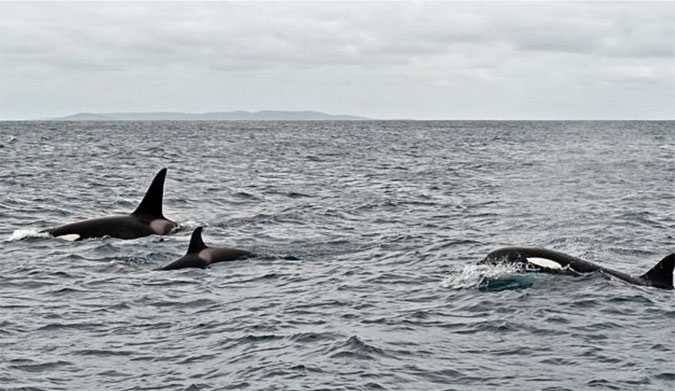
x: 369, y: 234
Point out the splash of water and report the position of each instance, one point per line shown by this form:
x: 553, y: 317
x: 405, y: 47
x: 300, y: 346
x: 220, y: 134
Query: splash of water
x: 489, y: 277
x: 21, y: 234
x: 188, y: 226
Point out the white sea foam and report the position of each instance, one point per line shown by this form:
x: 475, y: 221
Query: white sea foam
x: 472, y: 275
x: 189, y: 225
x: 21, y: 234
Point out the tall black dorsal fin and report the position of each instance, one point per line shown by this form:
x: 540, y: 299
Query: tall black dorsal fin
x: 196, y: 242
x: 661, y: 275
x: 151, y: 205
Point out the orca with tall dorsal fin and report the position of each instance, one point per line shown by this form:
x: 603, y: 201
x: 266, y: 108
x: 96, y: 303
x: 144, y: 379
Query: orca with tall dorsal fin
x: 540, y: 259
x: 147, y: 219
x: 201, y: 256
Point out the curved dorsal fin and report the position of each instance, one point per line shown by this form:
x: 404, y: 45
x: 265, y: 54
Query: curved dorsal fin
x: 661, y: 275
x: 196, y: 242
x: 151, y: 205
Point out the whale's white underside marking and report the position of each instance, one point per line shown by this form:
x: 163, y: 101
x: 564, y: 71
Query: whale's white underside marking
x: 543, y: 262
x: 69, y: 237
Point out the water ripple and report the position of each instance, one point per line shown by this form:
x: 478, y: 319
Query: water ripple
x: 368, y: 235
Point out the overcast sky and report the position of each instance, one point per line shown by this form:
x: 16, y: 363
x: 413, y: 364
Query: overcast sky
x: 416, y: 60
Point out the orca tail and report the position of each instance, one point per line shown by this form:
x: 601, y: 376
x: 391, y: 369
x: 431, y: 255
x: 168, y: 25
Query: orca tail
x: 151, y: 205
x: 196, y: 242
x: 661, y: 275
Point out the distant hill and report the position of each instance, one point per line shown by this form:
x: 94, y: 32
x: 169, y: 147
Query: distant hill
x: 269, y: 115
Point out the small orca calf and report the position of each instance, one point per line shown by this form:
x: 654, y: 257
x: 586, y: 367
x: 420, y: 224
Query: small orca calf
x: 660, y: 276
x: 201, y: 256
x: 146, y: 220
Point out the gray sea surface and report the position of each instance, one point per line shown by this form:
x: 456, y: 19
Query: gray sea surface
x: 368, y: 235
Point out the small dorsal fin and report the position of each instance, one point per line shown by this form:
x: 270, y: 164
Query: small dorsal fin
x: 661, y: 275
x: 151, y: 205
x: 196, y: 242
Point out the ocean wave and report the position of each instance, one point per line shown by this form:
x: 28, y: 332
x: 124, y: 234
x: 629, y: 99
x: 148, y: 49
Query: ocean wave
x: 368, y: 277
x: 21, y: 234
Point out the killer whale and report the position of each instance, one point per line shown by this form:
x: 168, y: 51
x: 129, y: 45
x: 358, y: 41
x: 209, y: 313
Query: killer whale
x: 201, y: 256
x: 541, y: 259
x: 147, y: 219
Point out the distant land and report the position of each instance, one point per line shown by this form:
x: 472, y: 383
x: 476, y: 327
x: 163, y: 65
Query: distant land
x: 268, y: 115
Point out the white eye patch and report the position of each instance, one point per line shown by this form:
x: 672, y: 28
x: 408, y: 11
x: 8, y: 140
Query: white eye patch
x: 69, y: 237
x: 543, y: 262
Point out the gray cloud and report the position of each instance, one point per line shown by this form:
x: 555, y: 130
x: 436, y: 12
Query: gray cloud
x: 378, y: 59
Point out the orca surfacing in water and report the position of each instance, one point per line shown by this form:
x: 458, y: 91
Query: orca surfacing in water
x: 660, y: 276
x: 146, y: 220
x: 201, y: 256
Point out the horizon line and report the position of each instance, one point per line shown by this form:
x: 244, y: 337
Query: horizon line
x: 346, y: 117
x: 282, y: 111
x: 359, y: 120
